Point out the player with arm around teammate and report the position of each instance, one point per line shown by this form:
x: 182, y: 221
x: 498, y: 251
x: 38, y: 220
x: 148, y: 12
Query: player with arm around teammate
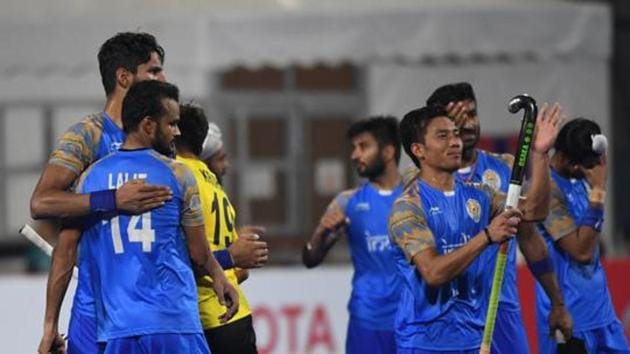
x: 442, y: 228
x: 482, y: 166
x: 572, y: 232
x: 361, y: 214
x: 144, y: 284
x: 125, y: 58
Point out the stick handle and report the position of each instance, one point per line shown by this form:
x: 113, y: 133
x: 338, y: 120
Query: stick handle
x: 36, y: 239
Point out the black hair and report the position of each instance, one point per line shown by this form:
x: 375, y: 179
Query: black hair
x: 193, y: 127
x: 575, y: 142
x: 413, y: 127
x: 384, y: 129
x: 125, y: 50
x: 461, y: 91
x: 144, y: 99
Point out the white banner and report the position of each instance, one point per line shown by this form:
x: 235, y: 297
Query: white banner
x: 296, y: 311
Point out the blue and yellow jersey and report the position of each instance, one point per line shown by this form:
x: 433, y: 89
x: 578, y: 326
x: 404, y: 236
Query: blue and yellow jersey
x: 494, y: 170
x: 450, y: 317
x: 375, y: 282
x: 219, y: 216
x: 584, y: 286
x: 140, y: 265
x: 85, y: 142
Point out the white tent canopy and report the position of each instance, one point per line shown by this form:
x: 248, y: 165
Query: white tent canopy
x: 57, y: 59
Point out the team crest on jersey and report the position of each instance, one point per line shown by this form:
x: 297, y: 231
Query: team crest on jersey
x: 492, y: 179
x: 474, y: 209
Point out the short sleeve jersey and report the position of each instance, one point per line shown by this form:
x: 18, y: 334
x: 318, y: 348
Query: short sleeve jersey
x: 141, y: 272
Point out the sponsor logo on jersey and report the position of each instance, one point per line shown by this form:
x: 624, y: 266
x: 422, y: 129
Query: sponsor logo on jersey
x: 362, y: 207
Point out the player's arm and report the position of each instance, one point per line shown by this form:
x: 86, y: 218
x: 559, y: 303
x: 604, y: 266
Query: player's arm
x: 52, y: 197
x: 328, y: 231
x: 204, y: 263
x: 324, y: 237
x: 241, y: 275
x: 536, y: 204
x: 579, y: 238
x: 410, y: 231
x: 63, y: 260
x: 535, y: 251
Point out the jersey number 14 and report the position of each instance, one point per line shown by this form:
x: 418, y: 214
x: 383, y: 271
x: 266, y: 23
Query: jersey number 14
x: 144, y: 235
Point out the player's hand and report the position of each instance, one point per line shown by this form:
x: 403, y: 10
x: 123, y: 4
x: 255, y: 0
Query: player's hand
x: 457, y: 112
x: 548, y: 124
x: 333, y: 220
x: 505, y: 225
x: 227, y: 296
x: 560, y: 319
x: 51, y: 342
x: 597, y: 175
x: 137, y: 197
x: 248, y: 251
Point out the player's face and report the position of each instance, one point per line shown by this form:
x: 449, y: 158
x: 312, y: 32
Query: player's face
x: 151, y: 70
x: 442, y: 148
x: 469, y: 126
x: 167, y: 128
x: 366, y: 156
x: 219, y: 163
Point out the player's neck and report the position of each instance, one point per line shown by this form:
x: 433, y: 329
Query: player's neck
x: 186, y: 154
x: 469, y: 157
x: 135, y: 141
x: 438, y: 179
x: 558, y: 164
x: 389, y: 179
x: 113, y: 108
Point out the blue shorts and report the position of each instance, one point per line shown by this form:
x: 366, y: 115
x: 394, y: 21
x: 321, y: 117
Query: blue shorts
x: 82, y: 334
x: 361, y: 340
x: 164, y: 343
x: 509, y: 335
x: 421, y: 351
x: 607, y: 339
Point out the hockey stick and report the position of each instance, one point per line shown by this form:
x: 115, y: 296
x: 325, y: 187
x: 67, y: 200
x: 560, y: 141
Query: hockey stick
x: 35, y: 238
x: 525, y: 139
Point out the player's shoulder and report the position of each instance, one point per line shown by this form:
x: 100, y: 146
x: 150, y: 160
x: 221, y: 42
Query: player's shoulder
x: 342, y: 198
x: 92, y: 123
x: 505, y: 158
x: 409, y: 196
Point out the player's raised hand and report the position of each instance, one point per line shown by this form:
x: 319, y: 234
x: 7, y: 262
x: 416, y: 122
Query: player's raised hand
x: 51, y: 342
x: 548, y: 124
x: 560, y: 319
x: 457, y: 112
x: 248, y: 250
x: 505, y: 225
x: 596, y: 176
x: 227, y: 296
x: 137, y: 196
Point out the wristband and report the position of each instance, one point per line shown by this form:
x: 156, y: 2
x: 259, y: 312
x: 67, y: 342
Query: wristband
x: 541, y: 267
x: 593, y: 217
x: 487, y: 233
x: 103, y: 201
x: 224, y: 258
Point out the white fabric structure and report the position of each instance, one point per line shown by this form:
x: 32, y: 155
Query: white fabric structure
x: 39, y: 56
